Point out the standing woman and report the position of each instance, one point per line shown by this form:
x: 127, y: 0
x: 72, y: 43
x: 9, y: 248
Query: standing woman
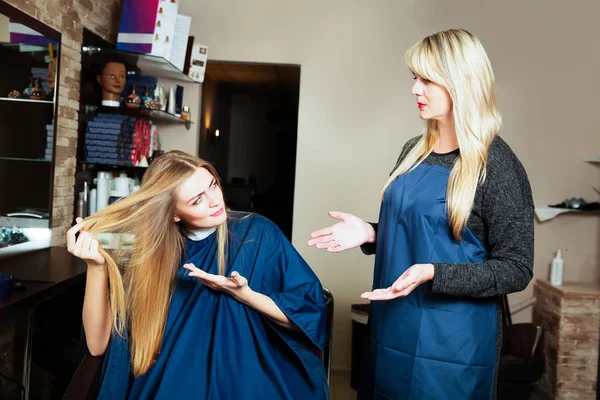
x: 455, y: 233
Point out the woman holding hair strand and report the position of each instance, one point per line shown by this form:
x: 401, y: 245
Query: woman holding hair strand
x: 206, y: 305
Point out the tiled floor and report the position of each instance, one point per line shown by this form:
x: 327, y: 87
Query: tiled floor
x: 339, y: 387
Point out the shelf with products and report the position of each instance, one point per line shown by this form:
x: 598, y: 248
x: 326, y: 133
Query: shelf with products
x: 112, y: 166
x: 28, y: 94
x: 146, y: 63
x: 30, y: 73
x: 123, y: 98
x: 158, y: 116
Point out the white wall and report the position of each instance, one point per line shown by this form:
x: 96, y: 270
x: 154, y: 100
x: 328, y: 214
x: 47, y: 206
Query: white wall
x: 356, y: 110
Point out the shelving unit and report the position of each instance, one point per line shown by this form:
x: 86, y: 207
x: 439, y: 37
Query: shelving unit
x: 27, y: 126
x: 97, y: 166
x: 94, y: 52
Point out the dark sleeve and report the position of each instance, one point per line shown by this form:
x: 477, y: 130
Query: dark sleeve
x: 369, y: 248
x: 508, y: 214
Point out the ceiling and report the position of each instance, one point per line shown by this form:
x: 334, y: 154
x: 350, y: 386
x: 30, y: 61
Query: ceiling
x: 253, y: 73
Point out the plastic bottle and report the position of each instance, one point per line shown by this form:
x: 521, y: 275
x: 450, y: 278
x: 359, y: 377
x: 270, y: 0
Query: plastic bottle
x: 557, y: 269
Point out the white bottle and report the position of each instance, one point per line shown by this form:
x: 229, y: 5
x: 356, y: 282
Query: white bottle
x: 103, y: 190
x: 556, y: 271
x: 92, y: 203
x: 171, y: 103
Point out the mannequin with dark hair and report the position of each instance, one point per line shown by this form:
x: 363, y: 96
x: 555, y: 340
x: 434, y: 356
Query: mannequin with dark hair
x: 111, y: 76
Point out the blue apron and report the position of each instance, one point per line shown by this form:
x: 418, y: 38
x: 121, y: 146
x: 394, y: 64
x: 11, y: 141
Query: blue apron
x: 425, y: 345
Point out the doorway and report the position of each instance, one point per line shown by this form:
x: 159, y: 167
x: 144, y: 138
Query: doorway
x: 249, y: 133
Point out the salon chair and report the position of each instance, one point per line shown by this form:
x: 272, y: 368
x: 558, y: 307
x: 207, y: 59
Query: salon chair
x: 522, y: 358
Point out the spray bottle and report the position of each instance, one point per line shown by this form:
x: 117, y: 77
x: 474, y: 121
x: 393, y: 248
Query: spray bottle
x: 556, y: 271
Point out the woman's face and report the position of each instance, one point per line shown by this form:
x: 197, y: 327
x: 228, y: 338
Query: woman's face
x: 433, y: 100
x: 199, y: 201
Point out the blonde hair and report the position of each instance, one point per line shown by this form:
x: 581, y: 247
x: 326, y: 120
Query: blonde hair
x: 140, y: 292
x: 456, y: 60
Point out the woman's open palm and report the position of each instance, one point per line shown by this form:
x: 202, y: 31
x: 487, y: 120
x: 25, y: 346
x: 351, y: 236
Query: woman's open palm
x: 351, y: 232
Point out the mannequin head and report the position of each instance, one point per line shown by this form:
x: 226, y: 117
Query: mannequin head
x: 112, y: 77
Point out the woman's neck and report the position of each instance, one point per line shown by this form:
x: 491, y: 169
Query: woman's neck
x: 447, y: 140
x: 198, y: 234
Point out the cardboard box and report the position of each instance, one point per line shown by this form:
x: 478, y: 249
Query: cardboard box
x: 198, y: 60
x: 180, y: 41
x: 148, y: 26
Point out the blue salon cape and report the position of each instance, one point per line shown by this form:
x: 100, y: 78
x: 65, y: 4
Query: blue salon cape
x: 217, y: 348
x: 426, y: 345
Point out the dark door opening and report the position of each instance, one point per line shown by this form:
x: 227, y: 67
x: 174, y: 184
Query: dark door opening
x: 249, y: 132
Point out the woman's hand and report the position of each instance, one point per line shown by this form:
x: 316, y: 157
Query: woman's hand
x: 348, y: 234
x: 408, y: 281
x: 85, y: 246
x: 236, y: 286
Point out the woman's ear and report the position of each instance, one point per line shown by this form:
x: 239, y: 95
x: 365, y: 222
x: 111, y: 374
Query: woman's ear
x: 176, y: 219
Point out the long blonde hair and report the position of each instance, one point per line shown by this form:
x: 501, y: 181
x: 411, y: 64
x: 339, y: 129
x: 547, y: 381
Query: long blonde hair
x: 141, y: 278
x: 456, y: 60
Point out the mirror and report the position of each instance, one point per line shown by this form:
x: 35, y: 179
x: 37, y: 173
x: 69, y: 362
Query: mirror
x: 28, y: 97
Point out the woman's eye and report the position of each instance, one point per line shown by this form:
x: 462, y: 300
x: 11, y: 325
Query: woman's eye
x: 198, y: 200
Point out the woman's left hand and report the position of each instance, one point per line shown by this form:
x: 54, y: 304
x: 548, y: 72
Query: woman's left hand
x: 236, y: 286
x: 408, y: 281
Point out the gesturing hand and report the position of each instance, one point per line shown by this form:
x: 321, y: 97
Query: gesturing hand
x: 235, y: 286
x: 351, y: 232
x: 408, y: 281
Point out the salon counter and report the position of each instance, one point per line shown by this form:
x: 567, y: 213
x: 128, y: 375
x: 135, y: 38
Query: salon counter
x: 47, y: 275
x: 46, y: 272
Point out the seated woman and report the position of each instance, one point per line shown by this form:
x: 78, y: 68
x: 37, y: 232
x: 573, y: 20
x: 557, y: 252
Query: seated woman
x: 205, y: 305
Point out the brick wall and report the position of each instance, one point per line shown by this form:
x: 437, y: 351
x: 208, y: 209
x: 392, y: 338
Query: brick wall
x: 570, y: 316
x: 69, y: 17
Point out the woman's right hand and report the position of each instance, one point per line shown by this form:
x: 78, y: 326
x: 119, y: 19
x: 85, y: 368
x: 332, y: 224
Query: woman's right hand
x: 85, y: 246
x: 348, y: 234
